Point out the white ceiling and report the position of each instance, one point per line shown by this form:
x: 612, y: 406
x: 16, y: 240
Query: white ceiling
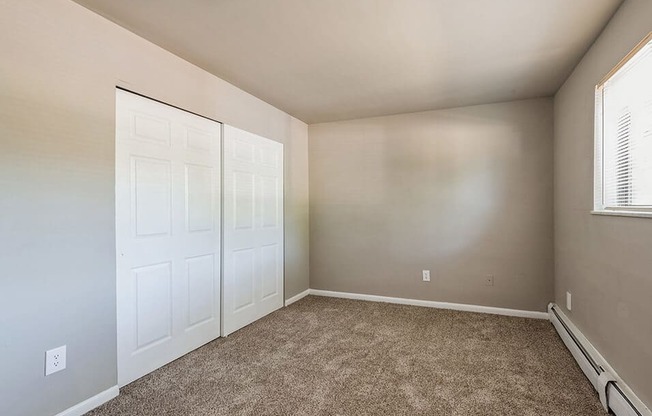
x: 325, y: 60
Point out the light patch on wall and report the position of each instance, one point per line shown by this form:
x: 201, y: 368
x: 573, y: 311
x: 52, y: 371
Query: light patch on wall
x: 475, y: 185
x: 478, y: 189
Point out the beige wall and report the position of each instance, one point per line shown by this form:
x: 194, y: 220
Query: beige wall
x: 59, y: 68
x: 297, y: 269
x: 464, y: 192
x: 605, y: 262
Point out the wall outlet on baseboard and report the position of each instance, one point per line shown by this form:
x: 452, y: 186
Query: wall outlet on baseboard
x: 569, y: 301
x: 426, y: 275
x: 489, y: 280
x: 55, y: 360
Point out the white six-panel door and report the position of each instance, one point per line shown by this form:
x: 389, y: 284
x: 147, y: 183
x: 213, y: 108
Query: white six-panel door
x: 253, y: 228
x: 167, y: 233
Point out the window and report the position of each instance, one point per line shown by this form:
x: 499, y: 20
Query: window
x: 623, y: 135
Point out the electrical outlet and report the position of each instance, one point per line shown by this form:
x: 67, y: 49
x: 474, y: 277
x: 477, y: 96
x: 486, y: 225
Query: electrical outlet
x: 489, y: 280
x: 569, y: 301
x: 426, y: 275
x: 55, y: 360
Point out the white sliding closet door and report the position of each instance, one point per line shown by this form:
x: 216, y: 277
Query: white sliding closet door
x: 253, y: 228
x: 167, y: 233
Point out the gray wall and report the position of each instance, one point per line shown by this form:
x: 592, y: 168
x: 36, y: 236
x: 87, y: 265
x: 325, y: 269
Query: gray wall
x: 605, y: 262
x: 59, y: 68
x: 464, y: 192
x: 297, y: 270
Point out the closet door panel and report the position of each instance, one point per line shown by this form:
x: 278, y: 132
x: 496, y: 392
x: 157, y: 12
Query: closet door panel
x: 168, y: 203
x: 253, y: 228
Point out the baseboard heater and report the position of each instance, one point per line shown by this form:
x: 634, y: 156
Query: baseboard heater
x: 614, y: 394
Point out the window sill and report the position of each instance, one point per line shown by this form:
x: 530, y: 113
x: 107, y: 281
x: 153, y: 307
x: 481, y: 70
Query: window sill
x: 637, y: 214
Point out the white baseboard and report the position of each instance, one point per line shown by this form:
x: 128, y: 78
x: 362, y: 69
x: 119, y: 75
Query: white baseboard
x: 618, y: 402
x: 298, y: 297
x: 433, y: 304
x: 90, y: 404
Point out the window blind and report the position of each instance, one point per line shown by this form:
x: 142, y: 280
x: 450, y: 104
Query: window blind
x: 626, y: 130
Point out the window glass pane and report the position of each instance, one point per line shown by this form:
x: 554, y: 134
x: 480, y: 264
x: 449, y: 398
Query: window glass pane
x: 627, y: 134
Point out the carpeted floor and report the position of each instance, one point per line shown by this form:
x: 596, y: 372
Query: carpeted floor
x: 324, y: 356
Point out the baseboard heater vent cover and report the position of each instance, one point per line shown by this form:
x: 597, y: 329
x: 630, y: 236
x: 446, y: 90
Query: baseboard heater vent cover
x: 614, y: 394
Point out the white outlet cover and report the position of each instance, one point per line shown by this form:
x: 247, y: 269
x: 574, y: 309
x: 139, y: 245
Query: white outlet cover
x: 569, y: 303
x: 426, y: 275
x: 55, y: 360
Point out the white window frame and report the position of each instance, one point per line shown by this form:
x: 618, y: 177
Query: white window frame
x: 599, y: 207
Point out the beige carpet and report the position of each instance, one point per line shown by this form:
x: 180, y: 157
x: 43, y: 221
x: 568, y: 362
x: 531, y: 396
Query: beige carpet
x: 324, y: 356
